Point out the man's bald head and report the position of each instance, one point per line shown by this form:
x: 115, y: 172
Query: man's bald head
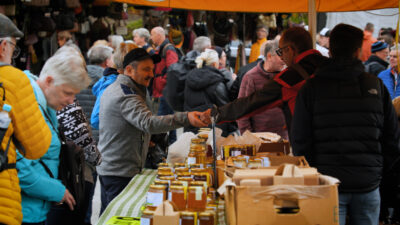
x: 157, y: 35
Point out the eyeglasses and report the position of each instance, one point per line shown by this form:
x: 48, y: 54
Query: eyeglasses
x: 17, y: 50
x: 279, y: 51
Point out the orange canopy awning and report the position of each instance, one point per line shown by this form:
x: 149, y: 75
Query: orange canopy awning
x: 269, y: 6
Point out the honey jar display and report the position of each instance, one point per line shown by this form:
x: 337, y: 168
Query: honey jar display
x: 197, y: 198
x: 178, y: 197
x: 207, y: 218
x: 147, y: 217
x: 188, y: 218
x: 156, y: 195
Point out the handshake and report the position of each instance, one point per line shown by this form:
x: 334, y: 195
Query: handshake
x: 200, y: 119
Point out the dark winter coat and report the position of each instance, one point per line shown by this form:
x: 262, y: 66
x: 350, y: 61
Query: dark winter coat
x: 345, y: 125
x: 374, y: 65
x: 204, y: 88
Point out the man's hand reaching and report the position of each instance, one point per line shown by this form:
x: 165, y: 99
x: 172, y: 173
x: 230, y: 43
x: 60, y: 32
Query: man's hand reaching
x: 195, y: 119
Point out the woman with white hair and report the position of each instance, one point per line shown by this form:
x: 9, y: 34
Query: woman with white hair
x: 62, y: 76
x: 141, y: 37
x: 206, y: 86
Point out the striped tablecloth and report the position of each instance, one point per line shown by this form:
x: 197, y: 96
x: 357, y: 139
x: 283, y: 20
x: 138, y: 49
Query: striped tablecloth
x: 131, y: 199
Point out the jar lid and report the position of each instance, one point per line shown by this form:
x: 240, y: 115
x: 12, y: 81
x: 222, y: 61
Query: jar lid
x: 157, y: 187
x: 177, y: 187
x: 198, y: 141
x: 185, y: 178
x: 183, y: 174
x: 197, y: 183
x: 188, y: 213
x: 176, y: 183
x: 178, y: 165
x: 203, y: 136
x: 239, y: 159
x: 197, y: 170
x: 197, y: 147
x: 163, y: 165
x: 181, y: 170
x: 196, y: 165
x: 166, y: 178
x: 207, y: 213
x: 148, y: 212
x: 161, y: 182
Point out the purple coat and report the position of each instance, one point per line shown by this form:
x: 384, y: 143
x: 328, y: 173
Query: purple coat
x: 271, y: 120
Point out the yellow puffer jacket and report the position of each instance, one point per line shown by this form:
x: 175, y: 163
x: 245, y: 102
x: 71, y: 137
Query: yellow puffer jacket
x: 30, y: 128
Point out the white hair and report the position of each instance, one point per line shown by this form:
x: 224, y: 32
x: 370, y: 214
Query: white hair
x: 99, y: 54
x: 208, y: 57
x: 115, y: 40
x: 201, y: 43
x: 66, y: 66
x: 142, y: 32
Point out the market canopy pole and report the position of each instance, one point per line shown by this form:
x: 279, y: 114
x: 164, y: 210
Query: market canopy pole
x: 312, y: 20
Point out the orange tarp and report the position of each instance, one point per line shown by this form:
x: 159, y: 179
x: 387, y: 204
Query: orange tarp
x: 269, y: 6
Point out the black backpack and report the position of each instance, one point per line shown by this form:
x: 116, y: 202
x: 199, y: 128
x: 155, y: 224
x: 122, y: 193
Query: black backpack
x: 71, y: 169
x: 175, y: 87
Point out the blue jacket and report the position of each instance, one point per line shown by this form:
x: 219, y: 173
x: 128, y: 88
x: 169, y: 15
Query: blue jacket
x: 38, y: 189
x: 109, y: 76
x: 388, y: 77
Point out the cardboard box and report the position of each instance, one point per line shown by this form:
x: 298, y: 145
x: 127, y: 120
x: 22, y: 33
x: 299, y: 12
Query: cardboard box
x: 284, y: 204
x: 165, y: 215
x: 280, y: 147
x: 266, y: 175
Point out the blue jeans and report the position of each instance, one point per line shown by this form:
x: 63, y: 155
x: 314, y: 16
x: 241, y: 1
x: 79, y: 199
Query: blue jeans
x: 165, y: 109
x: 361, y: 208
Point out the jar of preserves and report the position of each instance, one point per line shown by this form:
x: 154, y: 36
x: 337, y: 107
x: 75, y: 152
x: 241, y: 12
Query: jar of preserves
x: 199, y: 151
x: 239, y: 162
x: 156, y: 195
x: 177, y: 183
x: 147, y: 217
x: 188, y: 218
x: 197, y: 165
x: 179, y: 165
x: 169, y: 179
x: 207, y: 218
x: 181, y: 170
x: 177, y: 195
x: 254, y: 163
x: 197, y: 198
x: 164, y: 170
x: 162, y: 182
x: 164, y: 174
x: 163, y: 165
x: 185, y: 180
x: 191, y: 159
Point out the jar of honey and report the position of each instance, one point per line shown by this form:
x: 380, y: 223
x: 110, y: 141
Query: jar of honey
x: 180, y: 165
x: 178, y: 197
x: 239, y: 162
x: 188, y: 218
x: 156, y: 195
x: 169, y: 179
x: 197, y: 198
x: 191, y: 159
x: 199, y: 152
x: 164, y: 170
x: 181, y: 170
x: 207, y: 218
x: 185, y: 180
x: 255, y: 163
x: 163, y: 165
x: 147, y: 217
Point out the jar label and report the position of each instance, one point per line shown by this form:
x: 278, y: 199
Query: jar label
x: 236, y: 153
x: 155, y: 199
x: 144, y: 221
x: 199, y: 193
x: 191, y: 160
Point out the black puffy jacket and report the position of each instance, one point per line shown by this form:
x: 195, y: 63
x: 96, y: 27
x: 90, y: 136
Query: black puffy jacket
x: 204, y: 88
x: 374, y: 65
x: 345, y: 125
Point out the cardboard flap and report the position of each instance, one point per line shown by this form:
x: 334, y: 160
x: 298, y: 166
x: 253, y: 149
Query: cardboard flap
x: 288, y: 170
x: 165, y: 215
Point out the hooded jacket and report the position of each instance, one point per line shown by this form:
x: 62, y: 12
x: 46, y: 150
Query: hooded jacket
x: 86, y: 98
x: 30, y: 128
x: 345, y: 125
x: 109, y: 76
x: 204, y: 88
x: 38, y: 189
x: 374, y: 65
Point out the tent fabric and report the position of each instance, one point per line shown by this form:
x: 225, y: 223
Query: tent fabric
x: 268, y: 6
